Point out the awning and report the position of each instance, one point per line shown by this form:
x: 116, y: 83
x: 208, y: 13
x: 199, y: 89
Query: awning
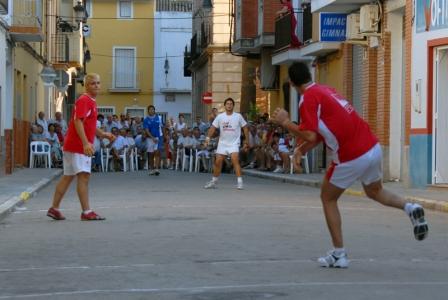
x: 306, y: 53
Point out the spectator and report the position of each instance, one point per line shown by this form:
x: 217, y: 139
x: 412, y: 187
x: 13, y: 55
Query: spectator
x: 110, y: 123
x: 58, y: 130
x: 53, y: 140
x: 60, y: 121
x: 136, y: 126
x: 200, y: 124
x: 141, y: 143
x: 42, y: 121
x: 117, y: 121
x: 288, y: 9
x: 118, y: 148
x: 124, y: 121
x: 179, y: 126
x: 37, y: 133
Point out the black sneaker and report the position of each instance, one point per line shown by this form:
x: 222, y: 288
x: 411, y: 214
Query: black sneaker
x: 156, y: 172
x: 417, y: 217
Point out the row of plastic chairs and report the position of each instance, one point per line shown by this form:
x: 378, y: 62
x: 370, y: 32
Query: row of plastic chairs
x: 185, y: 162
x: 40, y: 152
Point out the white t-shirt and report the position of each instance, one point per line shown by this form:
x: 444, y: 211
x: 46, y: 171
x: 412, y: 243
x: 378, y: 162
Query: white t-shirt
x: 229, y: 128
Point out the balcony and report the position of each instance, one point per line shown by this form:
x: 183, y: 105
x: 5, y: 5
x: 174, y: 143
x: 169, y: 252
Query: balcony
x: 342, y: 6
x: 26, y: 21
x: 67, y: 50
x: 206, y: 36
x: 3, y: 7
x: 124, y: 81
x: 187, y: 63
x: 174, y: 5
x: 244, y: 46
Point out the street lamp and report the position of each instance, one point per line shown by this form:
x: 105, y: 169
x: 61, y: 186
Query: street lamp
x: 48, y: 75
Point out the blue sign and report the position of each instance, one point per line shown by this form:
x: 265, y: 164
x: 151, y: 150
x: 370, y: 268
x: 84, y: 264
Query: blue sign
x: 333, y: 27
x: 431, y: 15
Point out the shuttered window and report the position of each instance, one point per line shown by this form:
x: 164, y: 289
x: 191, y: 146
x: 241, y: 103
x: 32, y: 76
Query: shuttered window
x: 125, y: 9
x: 124, y: 71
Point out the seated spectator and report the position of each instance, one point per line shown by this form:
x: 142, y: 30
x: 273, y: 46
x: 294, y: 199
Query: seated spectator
x: 56, y: 151
x: 136, y: 126
x: 141, y: 144
x: 58, y: 130
x: 60, y: 121
x: 181, y: 125
x: 123, y: 121
x: 42, y: 121
x: 118, y: 147
x: 110, y: 123
x: 37, y: 133
x: 202, y: 126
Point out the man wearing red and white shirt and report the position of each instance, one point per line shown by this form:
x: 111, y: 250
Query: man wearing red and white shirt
x: 78, y: 150
x: 326, y: 116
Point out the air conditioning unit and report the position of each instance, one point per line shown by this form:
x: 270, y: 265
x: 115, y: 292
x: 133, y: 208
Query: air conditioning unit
x: 369, y: 18
x: 352, y: 32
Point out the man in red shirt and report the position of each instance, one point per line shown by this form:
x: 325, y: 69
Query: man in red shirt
x: 78, y: 150
x: 326, y: 116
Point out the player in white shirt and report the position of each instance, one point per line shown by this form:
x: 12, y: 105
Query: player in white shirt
x: 229, y: 124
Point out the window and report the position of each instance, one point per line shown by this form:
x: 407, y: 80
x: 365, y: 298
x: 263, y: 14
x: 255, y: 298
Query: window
x: 136, y: 112
x: 170, y: 97
x: 124, y: 9
x: 124, y: 68
x: 106, y: 110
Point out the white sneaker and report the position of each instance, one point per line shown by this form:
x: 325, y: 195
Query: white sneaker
x: 417, y: 217
x: 278, y: 170
x: 240, y: 186
x: 210, y: 185
x: 333, y: 261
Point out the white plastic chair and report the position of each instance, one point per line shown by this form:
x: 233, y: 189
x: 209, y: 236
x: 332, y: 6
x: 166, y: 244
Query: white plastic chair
x: 190, y: 159
x: 40, y: 149
x: 179, y: 157
x: 303, y: 159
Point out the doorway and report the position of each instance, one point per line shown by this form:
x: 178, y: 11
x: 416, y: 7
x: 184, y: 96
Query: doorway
x: 440, y: 121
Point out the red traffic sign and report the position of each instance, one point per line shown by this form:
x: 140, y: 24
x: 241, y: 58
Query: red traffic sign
x: 207, y: 98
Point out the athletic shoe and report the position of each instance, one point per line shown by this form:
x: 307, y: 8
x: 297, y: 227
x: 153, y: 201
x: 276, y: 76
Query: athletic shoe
x: 417, y: 217
x: 250, y: 166
x: 152, y: 172
x: 278, y: 170
x: 156, y: 172
x: 91, y: 216
x: 55, y: 214
x: 333, y: 261
x: 240, y: 186
x: 210, y: 185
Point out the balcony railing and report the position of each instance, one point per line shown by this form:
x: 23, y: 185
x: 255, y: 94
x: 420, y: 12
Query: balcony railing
x: 187, y: 63
x: 26, y: 20
x: 283, y: 30
x: 195, y: 51
x: 125, y: 81
x: 67, y: 49
x: 174, y: 5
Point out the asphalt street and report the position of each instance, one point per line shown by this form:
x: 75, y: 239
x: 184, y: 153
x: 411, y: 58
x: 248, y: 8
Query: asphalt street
x: 167, y: 238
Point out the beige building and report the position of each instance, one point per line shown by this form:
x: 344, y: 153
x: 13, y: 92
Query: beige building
x: 214, y: 68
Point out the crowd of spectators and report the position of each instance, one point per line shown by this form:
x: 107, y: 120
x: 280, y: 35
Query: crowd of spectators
x: 270, y: 147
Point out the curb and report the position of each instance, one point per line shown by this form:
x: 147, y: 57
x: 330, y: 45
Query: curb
x: 435, y: 205
x: 9, y: 205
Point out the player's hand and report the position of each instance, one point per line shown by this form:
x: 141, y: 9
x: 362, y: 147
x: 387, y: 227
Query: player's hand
x: 280, y: 116
x: 89, y: 150
x: 109, y: 136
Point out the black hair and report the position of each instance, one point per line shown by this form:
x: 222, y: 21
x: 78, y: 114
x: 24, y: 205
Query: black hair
x: 229, y: 99
x: 149, y: 106
x: 299, y: 73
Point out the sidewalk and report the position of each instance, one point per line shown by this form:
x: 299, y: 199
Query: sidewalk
x: 435, y: 199
x: 22, y: 185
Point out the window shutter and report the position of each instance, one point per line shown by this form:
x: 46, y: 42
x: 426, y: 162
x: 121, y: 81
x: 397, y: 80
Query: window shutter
x: 124, y: 74
x: 125, y: 9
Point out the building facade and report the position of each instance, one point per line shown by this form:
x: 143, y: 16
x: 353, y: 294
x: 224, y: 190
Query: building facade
x: 121, y: 48
x: 429, y: 93
x: 172, y: 31
x: 215, y: 70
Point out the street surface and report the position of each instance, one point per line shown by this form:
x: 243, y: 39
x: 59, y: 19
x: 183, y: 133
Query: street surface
x: 167, y: 238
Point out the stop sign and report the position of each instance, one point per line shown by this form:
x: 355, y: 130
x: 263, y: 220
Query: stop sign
x: 207, y: 98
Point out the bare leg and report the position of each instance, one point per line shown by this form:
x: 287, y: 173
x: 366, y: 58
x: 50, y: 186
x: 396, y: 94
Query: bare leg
x: 83, y: 190
x: 236, y: 163
x: 157, y: 159
x: 376, y: 192
x: 218, y: 165
x: 151, y: 160
x: 61, y: 189
x: 330, y: 195
x: 286, y: 162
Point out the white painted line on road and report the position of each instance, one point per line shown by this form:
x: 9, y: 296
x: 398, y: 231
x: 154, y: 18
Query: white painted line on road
x: 219, y: 262
x: 200, y: 289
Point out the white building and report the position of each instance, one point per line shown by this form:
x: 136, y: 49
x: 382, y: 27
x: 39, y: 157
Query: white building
x: 429, y: 110
x: 172, y: 90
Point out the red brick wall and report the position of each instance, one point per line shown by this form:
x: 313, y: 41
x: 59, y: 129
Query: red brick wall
x: 408, y: 61
x: 347, y: 69
x: 369, y: 88
x: 269, y: 14
x: 383, y: 89
x: 249, y: 26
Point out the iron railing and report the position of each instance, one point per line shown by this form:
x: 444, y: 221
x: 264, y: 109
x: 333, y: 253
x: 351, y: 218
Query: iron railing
x: 174, y: 5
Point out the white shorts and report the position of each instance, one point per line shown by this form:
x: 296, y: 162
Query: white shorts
x: 151, y: 146
x: 75, y: 163
x: 227, y: 150
x: 367, y: 168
